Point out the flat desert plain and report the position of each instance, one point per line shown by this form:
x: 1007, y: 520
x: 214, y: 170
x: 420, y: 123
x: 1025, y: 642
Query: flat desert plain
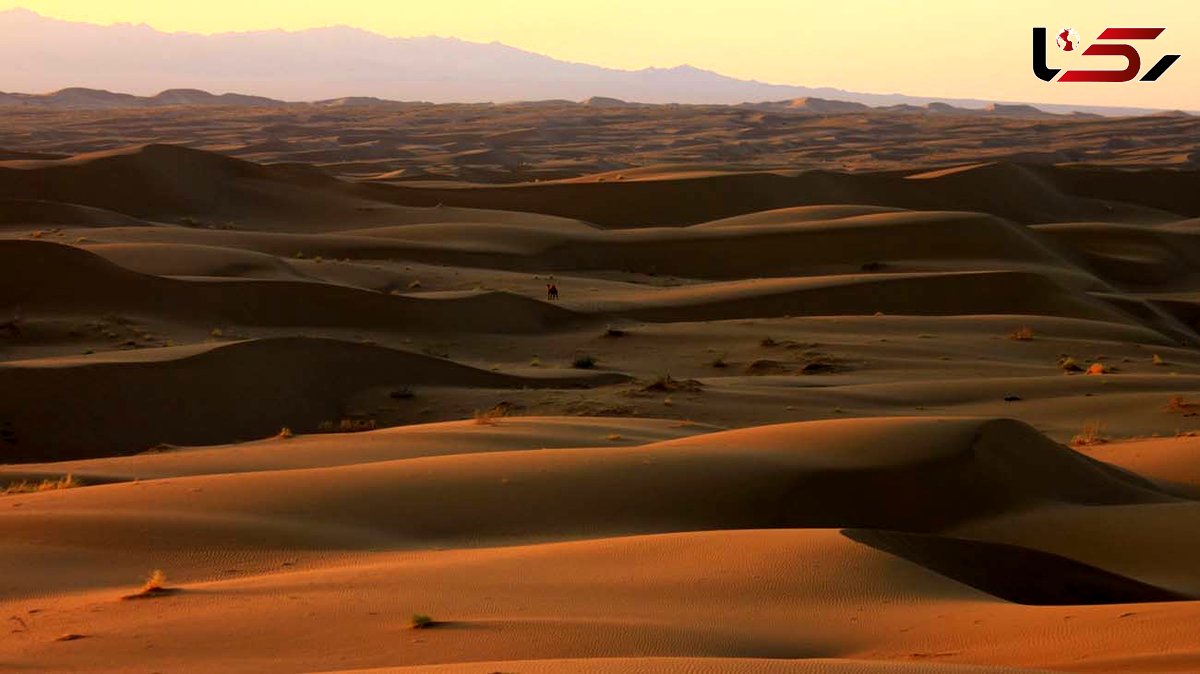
x: 891, y: 392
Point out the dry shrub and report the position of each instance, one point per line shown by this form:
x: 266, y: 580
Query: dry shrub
x: 765, y: 366
x: 155, y: 586
x: 498, y: 411
x: 1092, y: 434
x: 1069, y: 364
x: 665, y: 383
x: 347, y: 425
x: 1022, y: 334
x: 1178, y: 403
x: 1098, y: 368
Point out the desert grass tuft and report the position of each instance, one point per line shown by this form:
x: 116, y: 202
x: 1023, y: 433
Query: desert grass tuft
x: 420, y: 621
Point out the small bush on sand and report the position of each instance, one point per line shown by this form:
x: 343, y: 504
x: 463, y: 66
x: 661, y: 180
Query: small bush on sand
x: 1157, y: 360
x: 1098, y: 368
x: 490, y: 417
x: 615, y: 332
x: 23, y: 487
x: 1069, y: 364
x: 1022, y: 334
x: 155, y: 586
x: 584, y: 361
x: 719, y: 362
x: 420, y: 621
x: 665, y: 383
x: 1178, y: 403
x: 1092, y: 434
x: 285, y: 433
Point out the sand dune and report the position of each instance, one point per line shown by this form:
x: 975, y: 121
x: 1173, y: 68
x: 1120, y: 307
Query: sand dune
x: 52, y: 278
x: 816, y: 474
x: 867, y: 392
x: 242, y: 390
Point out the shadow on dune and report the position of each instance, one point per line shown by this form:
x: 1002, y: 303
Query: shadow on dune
x: 1013, y: 573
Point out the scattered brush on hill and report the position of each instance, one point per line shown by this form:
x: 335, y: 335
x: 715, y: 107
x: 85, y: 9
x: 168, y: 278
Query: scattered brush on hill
x: 26, y: 487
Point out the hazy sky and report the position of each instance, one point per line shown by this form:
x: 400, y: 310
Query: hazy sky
x: 953, y: 48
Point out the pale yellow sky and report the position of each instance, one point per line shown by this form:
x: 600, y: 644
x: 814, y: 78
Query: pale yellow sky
x: 952, y: 48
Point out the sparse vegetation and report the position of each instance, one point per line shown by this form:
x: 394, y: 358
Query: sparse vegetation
x: 768, y: 342
x: 1092, y: 434
x: 719, y: 362
x: 1022, y: 334
x: 491, y: 417
x: 1178, y: 403
x: 285, y: 433
x: 665, y: 383
x: 27, y: 487
x: 584, y: 361
x: 1098, y: 368
x: 615, y: 332
x: 420, y: 621
x: 765, y: 366
x: 1157, y: 360
x: 347, y: 425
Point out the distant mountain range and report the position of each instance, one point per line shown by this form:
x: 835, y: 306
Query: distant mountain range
x: 43, y: 54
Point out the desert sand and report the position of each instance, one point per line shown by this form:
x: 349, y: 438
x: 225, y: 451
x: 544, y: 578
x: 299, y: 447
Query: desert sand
x: 859, y: 393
